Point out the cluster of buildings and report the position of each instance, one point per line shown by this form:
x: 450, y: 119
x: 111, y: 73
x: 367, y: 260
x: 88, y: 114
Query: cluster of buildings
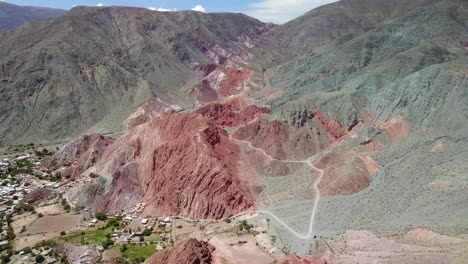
x: 14, y: 188
x: 135, y: 235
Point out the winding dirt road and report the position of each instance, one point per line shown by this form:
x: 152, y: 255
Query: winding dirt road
x: 321, y: 172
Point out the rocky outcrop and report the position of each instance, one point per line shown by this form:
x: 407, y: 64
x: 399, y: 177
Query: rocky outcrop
x: 80, y: 154
x: 282, y: 141
x: 177, y: 163
x: 125, y: 192
x: 77, y: 254
x: 149, y: 110
x: 38, y: 196
x: 346, y: 173
x: 191, y: 251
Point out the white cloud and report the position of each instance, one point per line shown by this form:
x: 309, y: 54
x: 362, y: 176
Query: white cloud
x: 160, y: 9
x: 100, y: 4
x: 199, y: 8
x: 281, y: 11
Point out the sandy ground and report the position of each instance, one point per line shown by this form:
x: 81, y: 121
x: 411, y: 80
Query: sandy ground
x: 426, y: 247
x: 228, y: 249
x: 52, y: 209
x: 111, y: 253
x: 45, y: 228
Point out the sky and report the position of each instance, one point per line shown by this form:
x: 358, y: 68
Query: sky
x: 276, y: 11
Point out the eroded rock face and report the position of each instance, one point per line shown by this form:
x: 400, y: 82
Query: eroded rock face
x: 81, y: 154
x: 77, y: 254
x: 125, y: 192
x: 346, y: 173
x: 38, y: 196
x: 149, y: 110
x: 191, y: 251
x: 282, y: 141
x: 177, y: 163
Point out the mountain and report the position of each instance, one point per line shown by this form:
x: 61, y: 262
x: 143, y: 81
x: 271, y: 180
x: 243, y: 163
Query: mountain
x: 402, y: 88
x: 343, y: 20
x: 347, y: 124
x: 91, y: 68
x: 13, y: 16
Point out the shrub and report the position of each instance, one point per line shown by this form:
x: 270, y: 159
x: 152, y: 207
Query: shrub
x: 147, y: 232
x: 123, y: 248
x: 63, y: 233
x: 101, y: 216
x: 26, y: 250
x: 106, y: 244
x: 39, y: 258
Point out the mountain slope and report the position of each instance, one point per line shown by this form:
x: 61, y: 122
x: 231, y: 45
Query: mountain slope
x: 405, y: 82
x: 342, y: 20
x: 91, y: 68
x: 12, y: 16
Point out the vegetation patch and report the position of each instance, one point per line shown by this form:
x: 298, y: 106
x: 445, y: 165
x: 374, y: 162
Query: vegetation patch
x: 95, y: 237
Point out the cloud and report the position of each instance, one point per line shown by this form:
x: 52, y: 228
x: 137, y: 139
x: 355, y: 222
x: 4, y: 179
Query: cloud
x: 199, y: 8
x: 160, y: 9
x: 100, y: 4
x: 281, y: 11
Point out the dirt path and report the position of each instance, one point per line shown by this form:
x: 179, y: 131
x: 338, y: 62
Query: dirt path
x: 307, y: 161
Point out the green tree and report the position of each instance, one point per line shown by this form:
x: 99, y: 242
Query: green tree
x: 123, y: 248
x: 39, y: 258
x: 101, y: 216
x: 147, y: 232
x: 107, y: 243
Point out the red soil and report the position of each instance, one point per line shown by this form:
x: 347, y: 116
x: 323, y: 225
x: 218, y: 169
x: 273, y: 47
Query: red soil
x: 280, y: 141
x: 151, y: 109
x: 225, y: 115
x: 346, y: 173
x: 396, y: 128
x: 334, y: 129
x: 191, y: 251
x: 292, y: 259
x: 234, y: 81
x: 186, y: 163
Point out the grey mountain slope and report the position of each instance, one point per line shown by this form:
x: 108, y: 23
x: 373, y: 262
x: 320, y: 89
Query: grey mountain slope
x: 396, y: 63
x: 343, y: 19
x: 12, y: 16
x: 414, y: 66
x: 91, y: 68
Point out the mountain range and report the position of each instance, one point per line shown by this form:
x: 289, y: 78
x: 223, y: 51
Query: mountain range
x: 12, y: 16
x: 351, y: 117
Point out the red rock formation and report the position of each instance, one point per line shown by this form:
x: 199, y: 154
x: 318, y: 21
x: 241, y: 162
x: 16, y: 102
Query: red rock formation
x: 190, y: 251
x: 38, y: 196
x: 334, y: 129
x: 292, y: 259
x: 81, y: 154
x: 180, y: 164
x: 151, y: 109
x: 346, y: 173
x: 125, y: 192
x: 234, y: 81
x: 226, y: 115
x: 280, y: 141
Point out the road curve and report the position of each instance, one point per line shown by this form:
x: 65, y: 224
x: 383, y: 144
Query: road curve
x: 316, y: 188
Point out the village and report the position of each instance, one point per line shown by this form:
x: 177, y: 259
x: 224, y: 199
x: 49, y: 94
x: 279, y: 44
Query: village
x: 35, y: 218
